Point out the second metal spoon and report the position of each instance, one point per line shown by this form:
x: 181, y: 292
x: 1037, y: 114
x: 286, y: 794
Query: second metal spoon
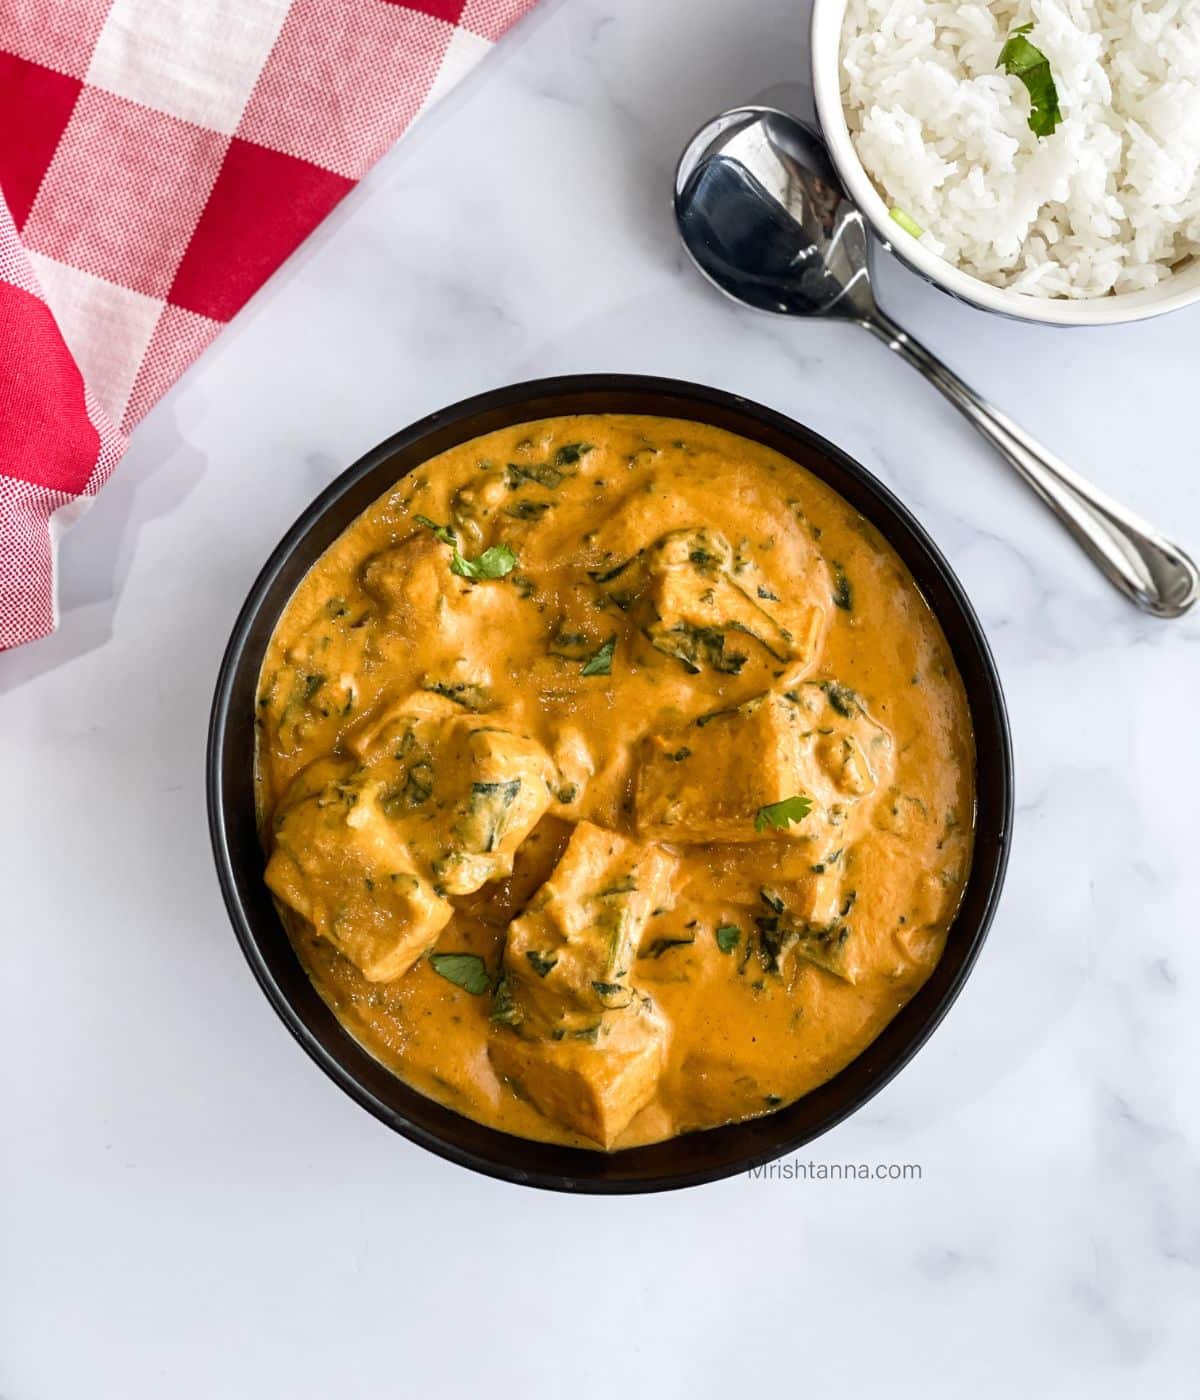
x: 764, y: 216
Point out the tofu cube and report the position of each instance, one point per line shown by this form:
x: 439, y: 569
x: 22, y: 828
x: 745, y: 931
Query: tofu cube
x: 698, y: 613
x: 811, y: 919
x: 491, y: 787
x: 707, y: 782
x: 684, y: 593
x: 462, y: 792
x: 355, y: 884
x: 586, y: 1047
x: 413, y: 584
x: 594, y: 1086
x: 576, y: 942
x: 847, y: 755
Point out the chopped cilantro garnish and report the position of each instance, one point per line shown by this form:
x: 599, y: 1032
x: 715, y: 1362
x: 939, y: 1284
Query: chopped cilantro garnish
x: 1021, y: 59
x: 505, y: 1011
x: 600, y: 661
x: 843, y: 593
x: 780, y: 814
x: 570, y: 452
x: 492, y: 563
x: 728, y: 937
x: 465, y: 970
x: 542, y: 963
x: 442, y: 532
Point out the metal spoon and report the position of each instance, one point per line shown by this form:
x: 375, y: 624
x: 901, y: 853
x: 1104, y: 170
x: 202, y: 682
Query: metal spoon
x: 763, y: 215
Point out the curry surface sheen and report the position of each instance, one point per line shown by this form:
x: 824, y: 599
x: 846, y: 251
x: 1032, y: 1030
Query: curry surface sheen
x: 651, y: 825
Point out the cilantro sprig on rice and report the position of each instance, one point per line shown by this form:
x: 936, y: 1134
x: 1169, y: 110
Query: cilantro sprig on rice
x: 1021, y: 59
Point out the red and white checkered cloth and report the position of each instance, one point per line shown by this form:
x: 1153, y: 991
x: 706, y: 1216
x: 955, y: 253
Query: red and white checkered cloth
x: 159, y: 159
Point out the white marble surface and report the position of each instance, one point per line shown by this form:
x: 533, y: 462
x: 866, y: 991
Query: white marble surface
x: 189, y: 1208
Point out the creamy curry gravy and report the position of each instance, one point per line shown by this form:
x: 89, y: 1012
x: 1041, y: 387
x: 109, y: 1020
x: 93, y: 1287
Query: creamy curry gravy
x: 654, y: 829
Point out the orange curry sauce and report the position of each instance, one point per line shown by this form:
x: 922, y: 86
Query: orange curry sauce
x: 616, y: 779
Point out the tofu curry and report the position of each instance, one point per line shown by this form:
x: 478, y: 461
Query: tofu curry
x: 615, y: 779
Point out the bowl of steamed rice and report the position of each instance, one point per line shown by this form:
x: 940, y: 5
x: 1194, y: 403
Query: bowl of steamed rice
x: 1037, y: 159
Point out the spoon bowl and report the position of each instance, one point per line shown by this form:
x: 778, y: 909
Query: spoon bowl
x: 764, y: 216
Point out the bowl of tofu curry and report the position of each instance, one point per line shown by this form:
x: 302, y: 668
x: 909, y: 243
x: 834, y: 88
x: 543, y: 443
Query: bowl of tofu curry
x: 614, y: 779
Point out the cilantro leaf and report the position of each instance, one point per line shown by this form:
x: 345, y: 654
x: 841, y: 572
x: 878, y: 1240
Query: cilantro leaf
x: 441, y: 532
x: 465, y: 970
x: 728, y: 937
x: 664, y: 945
x: 1021, y: 59
x: 600, y: 661
x: 542, y: 963
x: 841, y: 698
x: 505, y: 1011
x: 772, y: 899
x: 843, y: 591
x: 570, y: 452
x: 492, y: 563
x: 779, y: 814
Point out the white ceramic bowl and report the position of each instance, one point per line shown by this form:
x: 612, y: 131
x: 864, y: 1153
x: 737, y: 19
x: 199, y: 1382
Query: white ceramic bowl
x: 1182, y: 288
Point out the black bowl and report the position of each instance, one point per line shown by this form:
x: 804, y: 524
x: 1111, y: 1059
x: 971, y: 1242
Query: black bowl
x: 695, y: 1157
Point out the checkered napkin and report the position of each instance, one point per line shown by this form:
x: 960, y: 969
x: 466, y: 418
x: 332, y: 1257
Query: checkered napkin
x: 158, y: 160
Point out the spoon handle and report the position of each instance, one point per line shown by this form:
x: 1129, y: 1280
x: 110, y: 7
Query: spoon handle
x: 1151, y: 571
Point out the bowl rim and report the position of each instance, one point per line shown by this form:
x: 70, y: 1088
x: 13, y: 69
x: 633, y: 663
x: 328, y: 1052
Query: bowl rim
x: 825, y: 43
x: 757, y: 1141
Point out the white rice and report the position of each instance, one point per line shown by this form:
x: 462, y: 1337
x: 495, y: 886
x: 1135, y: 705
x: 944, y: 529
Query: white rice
x: 1109, y: 202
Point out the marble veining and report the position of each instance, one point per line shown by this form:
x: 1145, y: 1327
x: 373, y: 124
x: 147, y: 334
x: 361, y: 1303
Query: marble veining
x: 188, y: 1207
